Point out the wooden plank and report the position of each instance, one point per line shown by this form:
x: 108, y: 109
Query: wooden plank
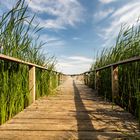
x: 16, y: 60
x: 61, y: 135
x: 83, y: 116
x: 130, y: 60
x: 32, y: 83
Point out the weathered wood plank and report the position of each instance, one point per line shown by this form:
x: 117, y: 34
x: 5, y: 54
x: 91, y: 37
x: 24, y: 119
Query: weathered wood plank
x: 76, y: 112
x: 16, y: 60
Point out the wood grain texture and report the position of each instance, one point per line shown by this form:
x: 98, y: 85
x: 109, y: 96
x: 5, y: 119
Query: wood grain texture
x: 75, y: 112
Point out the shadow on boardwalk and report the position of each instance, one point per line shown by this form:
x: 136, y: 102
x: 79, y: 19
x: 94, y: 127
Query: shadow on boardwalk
x: 84, y: 122
x: 99, y: 123
x: 76, y: 112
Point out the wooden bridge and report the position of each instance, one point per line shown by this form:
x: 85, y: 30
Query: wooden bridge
x: 71, y: 111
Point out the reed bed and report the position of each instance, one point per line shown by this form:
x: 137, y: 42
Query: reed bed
x: 16, y: 40
x: 90, y: 79
x: 46, y: 81
x: 127, y: 46
x: 14, y: 93
x: 104, y: 84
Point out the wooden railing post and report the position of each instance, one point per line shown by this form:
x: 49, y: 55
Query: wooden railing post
x: 61, y: 78
x: 96, y: 79
x: 32, y: 83
x: 88, y: 80
x: 115, y: 84
x: 86, y: 75
x: 82, y: 78
x: 85, y: 78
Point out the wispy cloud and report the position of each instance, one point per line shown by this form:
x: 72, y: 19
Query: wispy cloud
x: 80, y: 59
x: 107, y: 1
x: 52, y: 41
x: 74, y: 64
x: 48, y: 38
x: 128, y: 14
x: 61, y: 13
x: 103, y: 14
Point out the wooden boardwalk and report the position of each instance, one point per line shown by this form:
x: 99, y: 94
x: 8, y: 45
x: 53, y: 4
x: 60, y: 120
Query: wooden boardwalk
x: 75, y: 112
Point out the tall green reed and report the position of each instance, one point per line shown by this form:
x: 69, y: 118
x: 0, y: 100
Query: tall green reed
x: 127, y: 46
x: 14, y: 91
x: 16, y: 40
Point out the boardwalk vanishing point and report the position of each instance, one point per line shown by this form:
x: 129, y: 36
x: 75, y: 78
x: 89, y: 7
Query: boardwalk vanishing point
x: 73, y: 112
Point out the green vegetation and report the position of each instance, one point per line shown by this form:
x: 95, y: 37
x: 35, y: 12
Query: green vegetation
x: 18, y: 38
x: 14, y: 94
x: 46, y: 82
x: 127, y: 46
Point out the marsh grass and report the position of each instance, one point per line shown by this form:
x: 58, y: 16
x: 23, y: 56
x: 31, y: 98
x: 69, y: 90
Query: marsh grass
x: 14, y: 93
x: 104, y: 84
x: 42, y: 82
x: 16, y: 40
x: 91, y: 82
x: 46, y: 81
x: 127, y: 46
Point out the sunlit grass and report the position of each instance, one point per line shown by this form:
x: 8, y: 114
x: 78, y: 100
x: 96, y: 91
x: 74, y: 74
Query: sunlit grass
x: 127, y: 46
x: 16, y: 40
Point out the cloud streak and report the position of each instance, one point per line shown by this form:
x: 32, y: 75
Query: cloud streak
x: 103, y: 14
x: 74, y: 64
x: 61, y: 13
x: 107, y: 1
x: 128, y: 14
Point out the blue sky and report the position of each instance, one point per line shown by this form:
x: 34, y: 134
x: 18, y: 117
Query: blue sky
x: 75, y: 30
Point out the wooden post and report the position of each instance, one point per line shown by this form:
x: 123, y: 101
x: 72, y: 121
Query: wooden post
x: 61, y: 78
x: 91, y: 79
x: 115, y: 84
x: 32, y: 83
x: 88, y: 81
x: 83, y: 79
x: 96, y: 79
x: 57, y: 79
x: 86, y: 78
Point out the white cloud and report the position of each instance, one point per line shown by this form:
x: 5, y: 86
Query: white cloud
x: 103, y: 14
x: 52, y: 41
x: 80, y: 58
x: 57, y: 44
x: 107, y: 1
x: 48, y: 38
x: 60, y: 12
x: 74, y: 64
x: 128, y: 14
x: 49, y: 23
